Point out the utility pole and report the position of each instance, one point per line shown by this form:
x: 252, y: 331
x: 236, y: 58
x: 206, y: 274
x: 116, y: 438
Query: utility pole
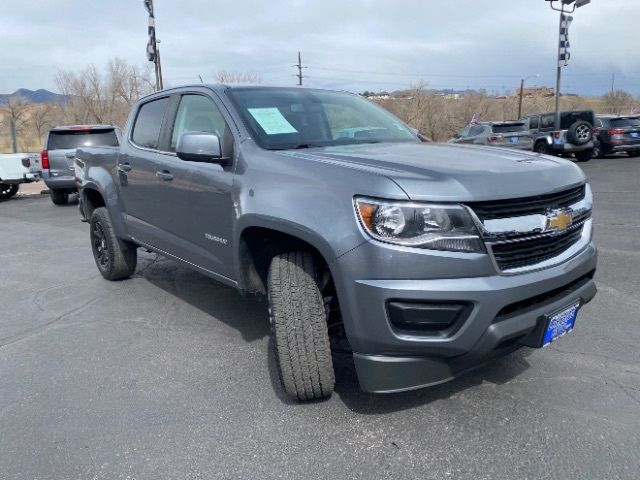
x: 299, y: 67
x: 521, y: 95
x: 563, y: 43
x: 522, y: 92
x: 613, y: 82
x: 557, y: 122
x: 153, y: 45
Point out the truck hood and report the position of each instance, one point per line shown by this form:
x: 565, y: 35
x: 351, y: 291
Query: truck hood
x: 444, y: 172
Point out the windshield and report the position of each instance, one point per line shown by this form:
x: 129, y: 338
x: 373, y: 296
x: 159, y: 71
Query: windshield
x: 286, y: 118
x: 70, y: 139
x: 508, y: 127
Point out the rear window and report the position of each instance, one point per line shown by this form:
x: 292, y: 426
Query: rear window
x: 71, y: 139
x: 508, y: 127
x: 569, y: 118
x: 625, y: 122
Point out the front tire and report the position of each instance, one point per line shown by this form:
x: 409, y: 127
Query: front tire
x: 8, y: 190
x: 299, y: 327
x: 59, y: 196
x: 115, y: 258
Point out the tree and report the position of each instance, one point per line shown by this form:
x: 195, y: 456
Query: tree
x: 15, y: 118
x: 618, y: 102
x: 103, y: 98
x: 223, y: 76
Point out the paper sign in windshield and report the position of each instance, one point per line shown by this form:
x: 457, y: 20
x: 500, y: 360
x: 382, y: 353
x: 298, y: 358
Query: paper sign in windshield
x: 272, y: 121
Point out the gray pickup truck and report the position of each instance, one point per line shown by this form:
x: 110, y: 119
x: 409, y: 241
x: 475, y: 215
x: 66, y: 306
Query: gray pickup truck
x: 424, y: 261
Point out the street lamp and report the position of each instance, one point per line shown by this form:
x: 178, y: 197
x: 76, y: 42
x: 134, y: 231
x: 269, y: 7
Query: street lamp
x: 537, y: 75
x: 566, y: 6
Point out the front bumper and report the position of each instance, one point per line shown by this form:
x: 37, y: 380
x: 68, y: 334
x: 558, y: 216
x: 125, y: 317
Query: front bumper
x: 506, y: 313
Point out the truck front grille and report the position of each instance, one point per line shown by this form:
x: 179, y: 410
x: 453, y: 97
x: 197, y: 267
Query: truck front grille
x: 517, y: 250
x: 522, y: 253
x: 527, y: 205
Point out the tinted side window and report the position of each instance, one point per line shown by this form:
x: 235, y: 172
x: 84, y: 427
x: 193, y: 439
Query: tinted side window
x: 465, y: 132
x: 547, y: 121
x: 146, y: 130
x: 534, y: 122
x: 198, y: 113
x: 476, y: 130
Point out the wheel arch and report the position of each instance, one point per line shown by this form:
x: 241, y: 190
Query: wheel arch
x: 261, y: 239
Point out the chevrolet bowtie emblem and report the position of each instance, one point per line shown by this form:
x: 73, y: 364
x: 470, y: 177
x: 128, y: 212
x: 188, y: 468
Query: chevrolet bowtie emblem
x: 559, y: 220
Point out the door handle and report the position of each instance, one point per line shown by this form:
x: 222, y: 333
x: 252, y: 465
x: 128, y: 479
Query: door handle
x: 124, y: 167
x: 165, y: 175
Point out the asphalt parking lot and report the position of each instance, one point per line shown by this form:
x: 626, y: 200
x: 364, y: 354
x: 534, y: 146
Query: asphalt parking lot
x: 170, y: 375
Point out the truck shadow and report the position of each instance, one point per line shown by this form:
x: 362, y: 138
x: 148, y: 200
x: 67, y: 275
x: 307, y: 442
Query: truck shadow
x: 248, y: 315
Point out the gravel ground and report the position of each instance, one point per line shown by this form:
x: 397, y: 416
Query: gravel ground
x: 170, y: 375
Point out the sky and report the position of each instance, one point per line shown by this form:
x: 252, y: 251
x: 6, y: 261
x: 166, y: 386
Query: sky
x: 354, y: 45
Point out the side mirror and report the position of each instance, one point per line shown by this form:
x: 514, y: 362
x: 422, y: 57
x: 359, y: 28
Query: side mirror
x: 200, y: 147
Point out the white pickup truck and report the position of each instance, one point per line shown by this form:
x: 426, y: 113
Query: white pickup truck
x: 17, y: 168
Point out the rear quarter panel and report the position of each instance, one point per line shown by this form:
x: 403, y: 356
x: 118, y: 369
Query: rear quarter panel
x: 95, y: 168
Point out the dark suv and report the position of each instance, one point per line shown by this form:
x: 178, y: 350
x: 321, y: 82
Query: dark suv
x: 574, y: 137
x: 617, y: 134
x: 60, y: 148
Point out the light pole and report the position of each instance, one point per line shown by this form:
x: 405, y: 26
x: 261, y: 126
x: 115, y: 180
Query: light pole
x: 573, y: 4
x: 522, y: 92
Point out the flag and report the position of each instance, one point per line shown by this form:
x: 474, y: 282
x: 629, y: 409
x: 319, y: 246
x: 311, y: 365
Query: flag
x: 474, y: 119
x: 151, y: 44
x: 564, y: 54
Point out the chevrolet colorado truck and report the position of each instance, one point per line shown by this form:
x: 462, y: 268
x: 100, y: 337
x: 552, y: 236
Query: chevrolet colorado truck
x: 422, y: 261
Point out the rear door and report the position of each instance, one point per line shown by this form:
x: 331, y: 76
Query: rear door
x: 197, y: 206
x: 136, y: 172
x: 62, y: 144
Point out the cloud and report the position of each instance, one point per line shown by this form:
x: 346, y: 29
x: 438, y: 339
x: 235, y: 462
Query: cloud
x: 356, y: 44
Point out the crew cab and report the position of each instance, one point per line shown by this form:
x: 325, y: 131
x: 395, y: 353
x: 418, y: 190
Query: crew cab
x: 17, y: 168
x: 422, y: 260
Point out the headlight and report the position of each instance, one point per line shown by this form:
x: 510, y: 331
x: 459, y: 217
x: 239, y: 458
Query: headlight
x: 419, y: 225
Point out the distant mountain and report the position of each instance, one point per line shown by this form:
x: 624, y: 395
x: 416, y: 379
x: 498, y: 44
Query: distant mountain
x: 35, y: 96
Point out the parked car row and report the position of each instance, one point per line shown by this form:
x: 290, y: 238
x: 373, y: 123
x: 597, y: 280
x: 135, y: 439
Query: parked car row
x: 582, y: 134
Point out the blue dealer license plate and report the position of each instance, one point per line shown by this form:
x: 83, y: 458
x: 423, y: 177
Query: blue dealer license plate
x: 560, y: 324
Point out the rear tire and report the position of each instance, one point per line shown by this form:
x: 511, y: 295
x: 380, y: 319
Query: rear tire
x: 59, y: 196
x: 542, y: 147
x: 634, y: 154
x: 8, y: 190
x: 584, y: 156
x: 299, y: 327
x: 115, y: 258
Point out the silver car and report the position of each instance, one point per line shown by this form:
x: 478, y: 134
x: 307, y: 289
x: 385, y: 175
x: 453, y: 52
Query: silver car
x: 60, y: 148
x: 496, y: 134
